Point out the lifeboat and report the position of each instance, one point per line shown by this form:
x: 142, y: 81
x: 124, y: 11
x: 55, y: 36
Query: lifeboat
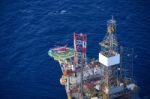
x: 62, y: 81
x: 67, y: 72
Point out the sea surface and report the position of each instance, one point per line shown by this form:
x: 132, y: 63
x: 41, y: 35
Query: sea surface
x: 29, y: 28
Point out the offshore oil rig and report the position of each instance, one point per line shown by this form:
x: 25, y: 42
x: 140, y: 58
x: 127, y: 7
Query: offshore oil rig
x: 109, y: 77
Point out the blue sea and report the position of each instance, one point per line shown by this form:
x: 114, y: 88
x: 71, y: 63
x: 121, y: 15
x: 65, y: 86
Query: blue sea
x: 29, y: 28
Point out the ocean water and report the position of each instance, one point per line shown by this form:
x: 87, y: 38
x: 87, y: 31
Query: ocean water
x: 29, y: 28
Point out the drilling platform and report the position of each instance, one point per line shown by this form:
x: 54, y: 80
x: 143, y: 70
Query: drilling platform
x: 109, y: 77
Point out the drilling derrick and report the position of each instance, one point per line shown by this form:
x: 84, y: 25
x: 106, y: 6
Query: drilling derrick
x: 109, y: 58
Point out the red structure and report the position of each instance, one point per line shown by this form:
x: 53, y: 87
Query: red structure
x: 80, y: 42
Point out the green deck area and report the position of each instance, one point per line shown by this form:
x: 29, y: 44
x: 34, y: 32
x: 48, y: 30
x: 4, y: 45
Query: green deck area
x: 61, y: 55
